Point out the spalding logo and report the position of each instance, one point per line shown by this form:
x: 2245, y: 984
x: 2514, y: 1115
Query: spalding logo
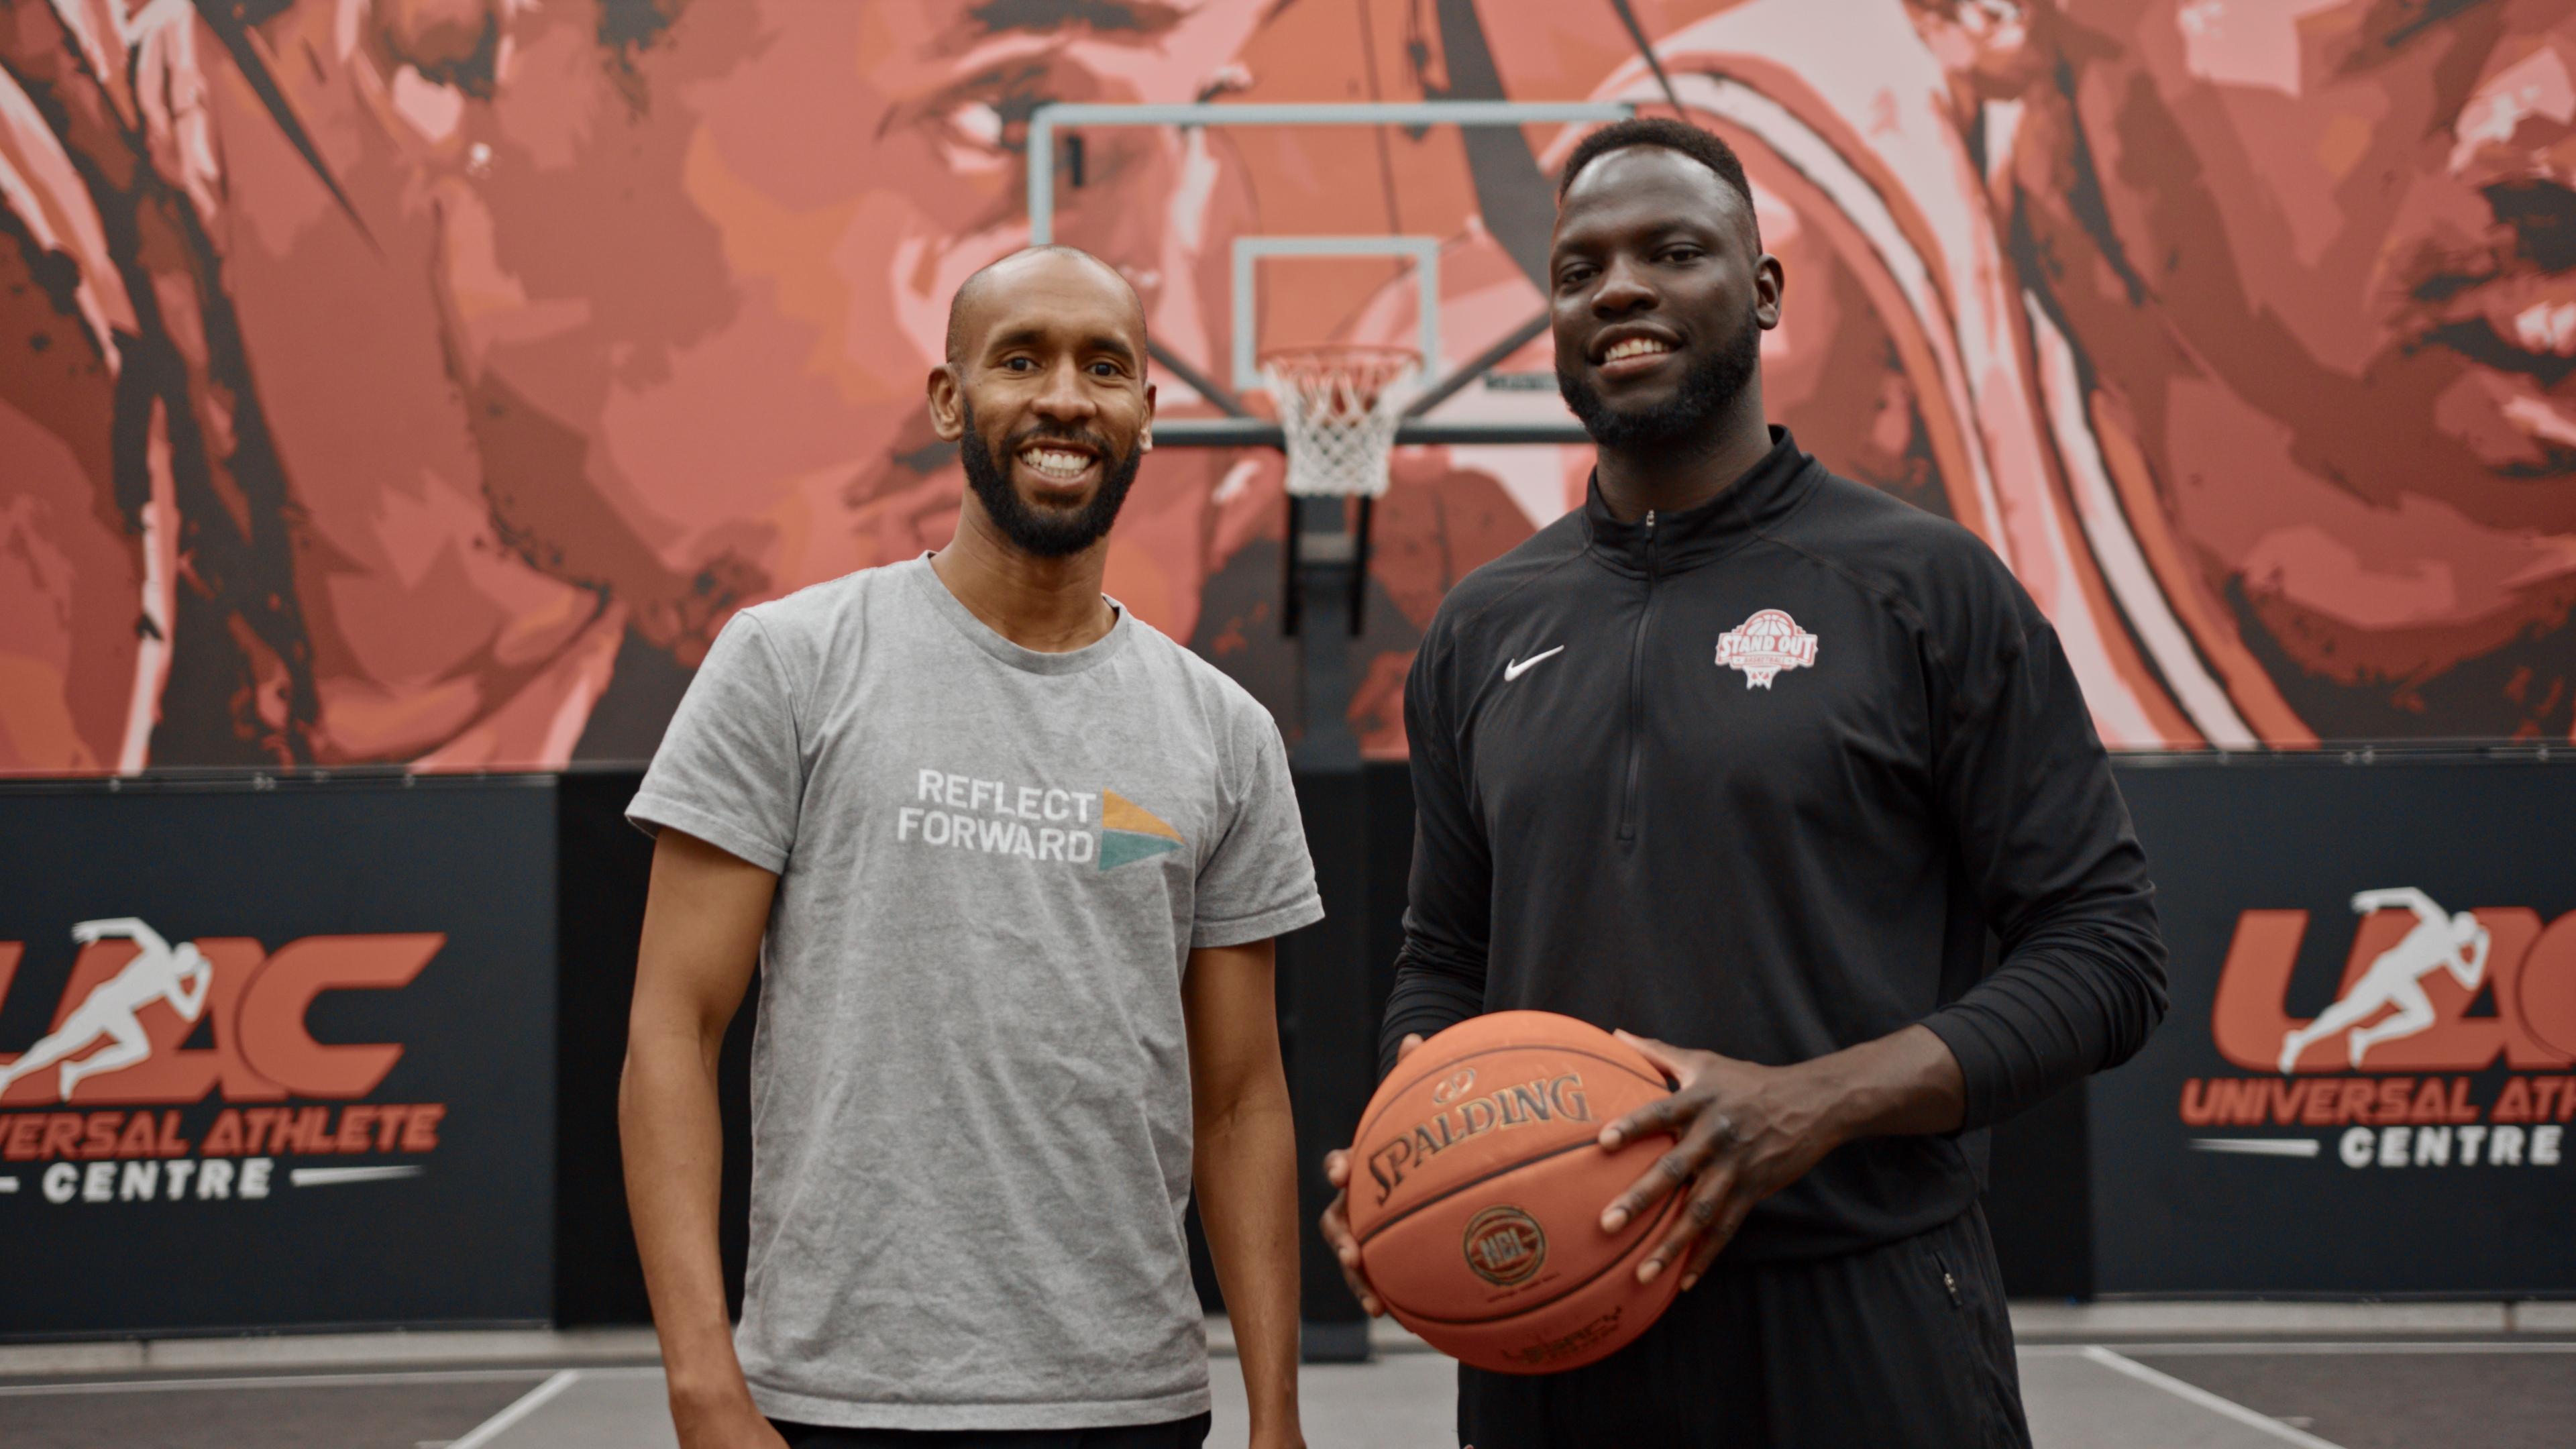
x: 1505, y: 1246
x: 1547, y: 1099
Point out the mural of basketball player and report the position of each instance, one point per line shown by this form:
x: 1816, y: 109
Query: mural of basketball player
x: 622, y: 325
x: 179, y: 975
x: 2301, y: 258
x: 2439, y: 942
x: 2308, y: 262
x: 2241, y: 330
x: 140, y: 493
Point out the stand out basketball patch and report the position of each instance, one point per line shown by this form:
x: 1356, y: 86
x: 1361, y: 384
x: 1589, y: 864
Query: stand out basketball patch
x: 1130, y: 833
x: 1764, y: 645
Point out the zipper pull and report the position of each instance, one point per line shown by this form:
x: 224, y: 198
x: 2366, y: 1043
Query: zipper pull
x: 1953, y: 1285
x: 1650, y: 520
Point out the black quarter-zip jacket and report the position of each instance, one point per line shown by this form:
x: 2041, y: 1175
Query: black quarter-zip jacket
x: 1774, y: 777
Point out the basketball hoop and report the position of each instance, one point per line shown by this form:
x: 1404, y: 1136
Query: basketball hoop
x: 1339, y: 407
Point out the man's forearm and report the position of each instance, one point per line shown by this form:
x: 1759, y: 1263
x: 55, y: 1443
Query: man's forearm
x: 1246, y: 1167
x: 674, y: 1148
x: 1905, y: 1083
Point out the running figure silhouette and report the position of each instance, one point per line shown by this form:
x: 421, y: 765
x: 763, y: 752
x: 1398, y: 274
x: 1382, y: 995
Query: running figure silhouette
x: 2438, y: 942
x: 178, y: 974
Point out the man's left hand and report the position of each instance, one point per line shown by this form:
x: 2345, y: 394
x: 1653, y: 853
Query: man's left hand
x: 1746, y: 1131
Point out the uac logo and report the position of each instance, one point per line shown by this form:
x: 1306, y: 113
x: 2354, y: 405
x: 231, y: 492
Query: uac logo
x: 2411, y: 986
x: 135, y: 999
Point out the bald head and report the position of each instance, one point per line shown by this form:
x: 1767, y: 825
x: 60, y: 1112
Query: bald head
x: 969, y: 309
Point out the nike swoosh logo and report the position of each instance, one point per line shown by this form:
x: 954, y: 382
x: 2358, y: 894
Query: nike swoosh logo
x: 1519, y: 667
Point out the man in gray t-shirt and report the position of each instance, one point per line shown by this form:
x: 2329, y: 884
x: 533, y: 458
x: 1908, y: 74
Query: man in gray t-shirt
x: 1010, y: 862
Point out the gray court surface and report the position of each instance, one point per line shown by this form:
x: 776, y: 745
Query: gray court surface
x: 2102, y: 1389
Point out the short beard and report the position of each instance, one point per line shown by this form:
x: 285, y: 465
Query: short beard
x: 1051, y: 533
x: 1707, y: 391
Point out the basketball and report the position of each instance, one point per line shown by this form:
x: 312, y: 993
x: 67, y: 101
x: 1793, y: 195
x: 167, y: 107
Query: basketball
x: 1476, y: 1192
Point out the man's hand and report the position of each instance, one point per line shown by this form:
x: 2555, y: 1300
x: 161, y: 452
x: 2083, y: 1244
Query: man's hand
x: 1746, y: 1131
x: 731, y: 1422
x: 1336, y: 1222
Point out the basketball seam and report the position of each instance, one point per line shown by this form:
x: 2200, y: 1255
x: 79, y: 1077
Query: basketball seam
x: 1570, y: 1289
x: 1503, y: 1171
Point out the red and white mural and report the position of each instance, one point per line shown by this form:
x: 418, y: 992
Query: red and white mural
x: 428, y: 380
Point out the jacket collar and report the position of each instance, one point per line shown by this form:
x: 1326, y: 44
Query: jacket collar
x: 1770, y: 491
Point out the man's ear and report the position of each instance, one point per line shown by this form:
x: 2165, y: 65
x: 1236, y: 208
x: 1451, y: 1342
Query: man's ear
x: 1145, y: 437
x: 947, y: 403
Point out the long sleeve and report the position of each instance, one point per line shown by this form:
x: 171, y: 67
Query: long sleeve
x: 1440, y: 972
x: 2047, y: 845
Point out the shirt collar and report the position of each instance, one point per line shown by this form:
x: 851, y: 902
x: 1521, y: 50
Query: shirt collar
x: 1769, y: 491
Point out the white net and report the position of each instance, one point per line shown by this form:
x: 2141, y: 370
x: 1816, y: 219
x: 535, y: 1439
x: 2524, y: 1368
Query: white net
x: 1340, y: 407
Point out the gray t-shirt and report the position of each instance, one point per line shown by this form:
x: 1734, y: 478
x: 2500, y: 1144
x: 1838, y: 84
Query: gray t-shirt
x: 971, y: 1122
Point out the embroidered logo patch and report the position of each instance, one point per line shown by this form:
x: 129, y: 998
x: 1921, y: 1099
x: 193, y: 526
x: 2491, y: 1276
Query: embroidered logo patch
x: 1764, y: 645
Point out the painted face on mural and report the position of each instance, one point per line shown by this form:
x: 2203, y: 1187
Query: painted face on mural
x: 2317, y: 256
x: 687, y: 265
x: 633, y: 327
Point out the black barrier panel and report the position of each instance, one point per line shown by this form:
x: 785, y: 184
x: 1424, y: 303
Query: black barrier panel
x: 312, y: 1032
x: 2417, y: 917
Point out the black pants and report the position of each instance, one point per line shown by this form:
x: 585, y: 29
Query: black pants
x: 1901, y: 1345
x: 1187, y: 1433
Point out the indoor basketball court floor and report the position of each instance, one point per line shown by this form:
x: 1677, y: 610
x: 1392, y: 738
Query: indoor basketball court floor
x: 2142, y: 1376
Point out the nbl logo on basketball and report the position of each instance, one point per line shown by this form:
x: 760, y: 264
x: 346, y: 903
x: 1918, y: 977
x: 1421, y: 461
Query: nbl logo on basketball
x: 1505, y: 1246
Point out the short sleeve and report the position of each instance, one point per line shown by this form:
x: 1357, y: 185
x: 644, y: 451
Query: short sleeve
x: 729, y: 771
x: 1259, y: 882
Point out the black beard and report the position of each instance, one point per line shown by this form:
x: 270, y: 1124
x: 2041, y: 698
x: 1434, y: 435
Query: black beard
x: 1707, y: 391
x: 1054, y: 533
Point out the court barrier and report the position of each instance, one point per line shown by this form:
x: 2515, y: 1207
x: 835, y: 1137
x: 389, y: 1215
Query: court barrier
x: 304, y: 1053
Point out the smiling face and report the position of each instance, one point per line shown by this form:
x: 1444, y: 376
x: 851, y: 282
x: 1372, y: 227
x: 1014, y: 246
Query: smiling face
x: 2330, y: 287
x: 1046, y: 396
x: 1660, y: 296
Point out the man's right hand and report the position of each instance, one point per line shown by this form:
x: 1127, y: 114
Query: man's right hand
x: 1336, y: 1222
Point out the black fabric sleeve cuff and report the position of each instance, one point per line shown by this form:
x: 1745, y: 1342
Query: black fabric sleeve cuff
x: 1424, y: 1001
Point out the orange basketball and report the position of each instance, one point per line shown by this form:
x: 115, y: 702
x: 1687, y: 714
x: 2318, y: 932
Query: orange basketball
x: 1476, y: 1192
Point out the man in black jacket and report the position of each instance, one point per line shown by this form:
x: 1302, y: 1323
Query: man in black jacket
x: 1755, y: 758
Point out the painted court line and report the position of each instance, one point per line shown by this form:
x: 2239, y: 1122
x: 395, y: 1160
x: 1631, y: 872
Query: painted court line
x: 2201, y: 1347
x: 529, y: 1402
x: 275, y: 1381
x: 2228, y: 1408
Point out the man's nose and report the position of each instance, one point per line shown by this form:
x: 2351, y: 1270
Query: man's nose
x: 1623, y: 289
x: 1064, y: 397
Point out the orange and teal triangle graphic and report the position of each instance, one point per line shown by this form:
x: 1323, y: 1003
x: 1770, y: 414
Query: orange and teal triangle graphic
x: 1129, y: 832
